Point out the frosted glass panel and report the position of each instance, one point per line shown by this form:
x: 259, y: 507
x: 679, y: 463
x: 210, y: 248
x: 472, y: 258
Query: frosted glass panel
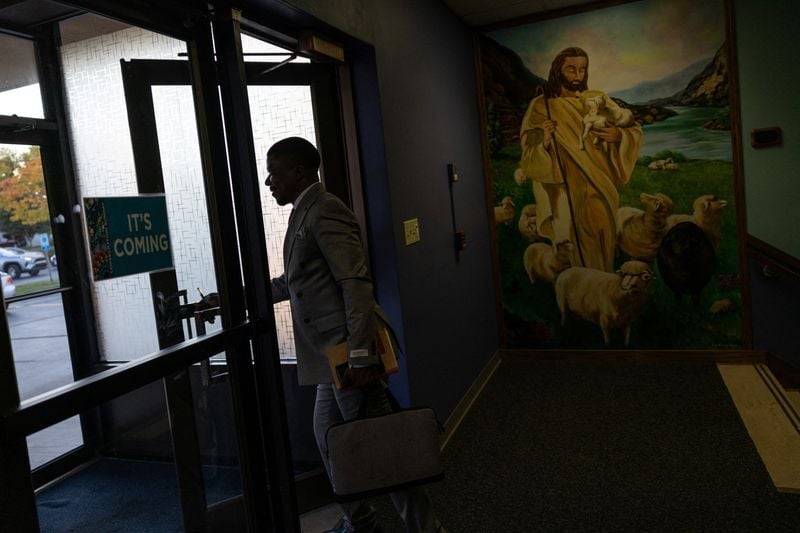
x: 103, y: 161
x: 185, y: 192
x: 276, y: 113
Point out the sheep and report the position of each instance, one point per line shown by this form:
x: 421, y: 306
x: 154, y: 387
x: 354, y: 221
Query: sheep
x: 639, y: 232
x: 719, y: 307
x: 527, y: 224
x: 602, y: 112
x: 707, y: 216
x: 663, y: 164
x: 686, y: 260
x: 504, y: 213
x: 610, y: 300
x: 543, y: 262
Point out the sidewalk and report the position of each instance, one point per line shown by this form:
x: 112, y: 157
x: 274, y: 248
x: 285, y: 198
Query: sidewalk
x: 42, y: 360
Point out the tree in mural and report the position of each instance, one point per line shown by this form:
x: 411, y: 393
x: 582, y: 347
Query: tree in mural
x: 23, y: 199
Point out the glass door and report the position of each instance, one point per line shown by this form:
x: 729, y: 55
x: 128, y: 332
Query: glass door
x: 285, y: 99
x: 40, y: 304
x: 152, y: 418
x: 33, y: 295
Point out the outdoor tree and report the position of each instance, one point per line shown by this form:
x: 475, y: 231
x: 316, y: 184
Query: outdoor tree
x: 9, y: 161
x: 23, y: 198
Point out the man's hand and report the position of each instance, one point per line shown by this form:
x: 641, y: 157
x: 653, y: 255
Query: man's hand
x: 361, y: 377
x: 610, y: 134
x: 549, y: 128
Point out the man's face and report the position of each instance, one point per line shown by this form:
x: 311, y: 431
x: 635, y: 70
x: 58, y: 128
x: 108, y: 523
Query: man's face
x: 573, y: 72
x: 283, y: 179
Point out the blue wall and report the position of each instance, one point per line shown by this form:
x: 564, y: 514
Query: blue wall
x: 427, y: 101
x: 427, y: 117
x: 768, y: 78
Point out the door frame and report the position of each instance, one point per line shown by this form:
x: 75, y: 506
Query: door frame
x: 254, y: 372
x: 140, y: 75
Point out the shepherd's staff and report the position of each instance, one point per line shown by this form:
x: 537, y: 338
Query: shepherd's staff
x: 540, y: 90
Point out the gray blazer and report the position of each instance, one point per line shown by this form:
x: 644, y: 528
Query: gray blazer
x: 326, y: 281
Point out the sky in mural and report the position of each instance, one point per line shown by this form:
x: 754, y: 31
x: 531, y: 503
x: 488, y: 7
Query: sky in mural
x: 627, y: 44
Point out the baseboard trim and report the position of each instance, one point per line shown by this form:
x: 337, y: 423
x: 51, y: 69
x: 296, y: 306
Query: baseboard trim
x: 700, y: 356
x: 781, y: 396
x: 788, y: 374
x: 463, y: 407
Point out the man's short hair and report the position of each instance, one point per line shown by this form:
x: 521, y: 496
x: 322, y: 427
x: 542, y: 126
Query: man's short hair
x: 299, y: 150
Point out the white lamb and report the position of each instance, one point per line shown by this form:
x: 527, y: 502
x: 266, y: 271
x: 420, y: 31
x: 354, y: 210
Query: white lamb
x: 610, y: 300
x: 663, y: 164
x: 527, y: 224
x: 602, y: 112
x: 639, y: 233
x: 707, y: 216
x: 542, y: 262
x: 504, y: 213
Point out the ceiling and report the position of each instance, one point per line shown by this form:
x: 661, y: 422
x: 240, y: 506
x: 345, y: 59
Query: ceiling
x: 28, y: 13
x: 478, y: 13
x: 19, y: 68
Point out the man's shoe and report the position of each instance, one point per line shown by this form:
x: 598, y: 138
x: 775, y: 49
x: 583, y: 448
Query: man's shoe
x: 340, y: 527
x: 343, y: 527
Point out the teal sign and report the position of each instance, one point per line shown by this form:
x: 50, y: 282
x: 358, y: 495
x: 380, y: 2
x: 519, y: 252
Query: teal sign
x: 128, y: 235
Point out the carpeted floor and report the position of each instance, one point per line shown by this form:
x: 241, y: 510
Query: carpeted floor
x: 114, y: 495
x: 615, y: 446
x: 605, y: 446
x: 548, y: 446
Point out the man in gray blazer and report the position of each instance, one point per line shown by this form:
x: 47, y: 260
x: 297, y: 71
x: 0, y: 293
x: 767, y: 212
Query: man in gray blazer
x: 330, y: 292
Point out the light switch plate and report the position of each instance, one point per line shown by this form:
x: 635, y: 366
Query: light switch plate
x: 411, y: 231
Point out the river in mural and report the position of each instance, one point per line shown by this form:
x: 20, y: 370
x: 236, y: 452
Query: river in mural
x: 685, y: 133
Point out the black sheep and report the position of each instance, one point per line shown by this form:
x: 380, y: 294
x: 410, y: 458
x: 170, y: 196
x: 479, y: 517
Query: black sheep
x: 686, y: 260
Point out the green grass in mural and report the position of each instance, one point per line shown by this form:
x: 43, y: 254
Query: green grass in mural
x: 532, y: 318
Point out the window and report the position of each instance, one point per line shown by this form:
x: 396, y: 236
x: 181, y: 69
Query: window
x: 19, y: 79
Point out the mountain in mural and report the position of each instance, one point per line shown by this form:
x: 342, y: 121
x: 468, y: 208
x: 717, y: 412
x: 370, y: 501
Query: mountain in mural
x: 647, y: 91
x: 707, y: 89
x: 508, y: 86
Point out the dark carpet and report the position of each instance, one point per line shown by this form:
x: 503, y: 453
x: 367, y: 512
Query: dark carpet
x: 115, y: 495
x: 605, y: 446
x: 548, y: 446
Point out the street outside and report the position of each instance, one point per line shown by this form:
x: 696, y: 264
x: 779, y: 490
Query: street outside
x: 42, y: 360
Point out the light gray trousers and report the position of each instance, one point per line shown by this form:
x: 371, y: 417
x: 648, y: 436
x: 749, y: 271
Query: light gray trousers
x: 333, y: 406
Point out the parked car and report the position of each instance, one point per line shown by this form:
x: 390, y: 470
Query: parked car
x: 9, y: 290
x: 15, y: 265
x: 23, y: 251
x: 7, y: 240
